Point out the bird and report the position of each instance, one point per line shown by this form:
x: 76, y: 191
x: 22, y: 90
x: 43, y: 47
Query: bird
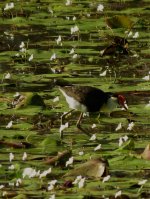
x: 90, y: 99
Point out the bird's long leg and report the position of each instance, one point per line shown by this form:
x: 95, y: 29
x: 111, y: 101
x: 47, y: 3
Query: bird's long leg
x: 65, y: 114
x: 79, y: 120
x: 79, y: 127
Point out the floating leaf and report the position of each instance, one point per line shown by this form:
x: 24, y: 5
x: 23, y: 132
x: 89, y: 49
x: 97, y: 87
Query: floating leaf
x: 119, y: 21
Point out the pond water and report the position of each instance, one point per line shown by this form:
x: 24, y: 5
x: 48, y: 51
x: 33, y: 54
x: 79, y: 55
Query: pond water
x: 76, y: 41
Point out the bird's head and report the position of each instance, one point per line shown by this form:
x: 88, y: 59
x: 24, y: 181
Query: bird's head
x: 122, y: 101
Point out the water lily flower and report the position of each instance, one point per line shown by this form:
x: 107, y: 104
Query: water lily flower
x: 68, y: 2
x: 11, y: 167
x: 75, y: 56
x: 93, y: 126
x: 24, y: 157
x: 51, y: 185
x: 105, y: 179
x: 9, y: 6
x: 120, y: 141
x: 58, y: 41
x: 53, y: 57
x: 93, y: 137
x: 30, y: 172
x: 52, y: 196
x: 9, y: 125
x: 118, y: 127
x: 2, y: 186
x: 81, y: 152
x: 142, y: 182
x: 130, y: 126
x: 100, y: 8
x: 81, y: 183
x: 11, y: 156
x: 7, y: 76
x: 97, y: 147
x: 18, y: 182
x: 69, y: 162
x: 22, y: 45
x: 45, y: 173
x: 78, y: 178
x: 103, y: 74
x: 136, y: 35
x: 118, y: 194
x: 30, y: 58
x: 74, y: 18
x: 74, y: 29
x: 72, y: 51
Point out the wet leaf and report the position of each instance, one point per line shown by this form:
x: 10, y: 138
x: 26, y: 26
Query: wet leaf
x: 119, y: 21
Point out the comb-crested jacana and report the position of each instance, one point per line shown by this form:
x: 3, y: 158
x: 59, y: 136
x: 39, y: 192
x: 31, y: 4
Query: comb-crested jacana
x: 90, y: 99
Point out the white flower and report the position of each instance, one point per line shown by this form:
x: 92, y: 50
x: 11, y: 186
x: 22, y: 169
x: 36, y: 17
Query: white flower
x: 130, y: 126
x: 52, y: 196
x: 16, y: 94
x: 63, y: 126
x: 2, y: 186
x: 81, y: 183
x: 30, y: 58
x: 100, y: 8
x: 118, y: 127
x: 51, y: 185
x: 147, y: 105
x: 23, y: 50
x: 44, y: 173
x: 29, y: 172
x: 130, y: 33
x: 105, y: 179
x: 147, y: 77
x: 136, y: 35
x: 24, y: 157
x: 74, y: 18
x: 9, y: 6
x: 93, y: 137
x: 22, y: 45
x: 71, y: 51
x: 93, y: 126
x: 58, y: 41
x: 53, y: 57
x: 68, y: 2
x: 75, y: 56
x: 7, y: 76
x: 125, y: 138
x: 142, y: 182
x: 11, y: 167
x: 74, y: 29
x: 11, y: 156
x: 120, y: 141
x: 81, y: 153
x: 76, y: 181
x: 56, y: 99
x: 69, y: 162
x: 103, y: 74
x: 97, y: 147
x: 118, y: 194
x: 18, y: 182
x: 9, y: 125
